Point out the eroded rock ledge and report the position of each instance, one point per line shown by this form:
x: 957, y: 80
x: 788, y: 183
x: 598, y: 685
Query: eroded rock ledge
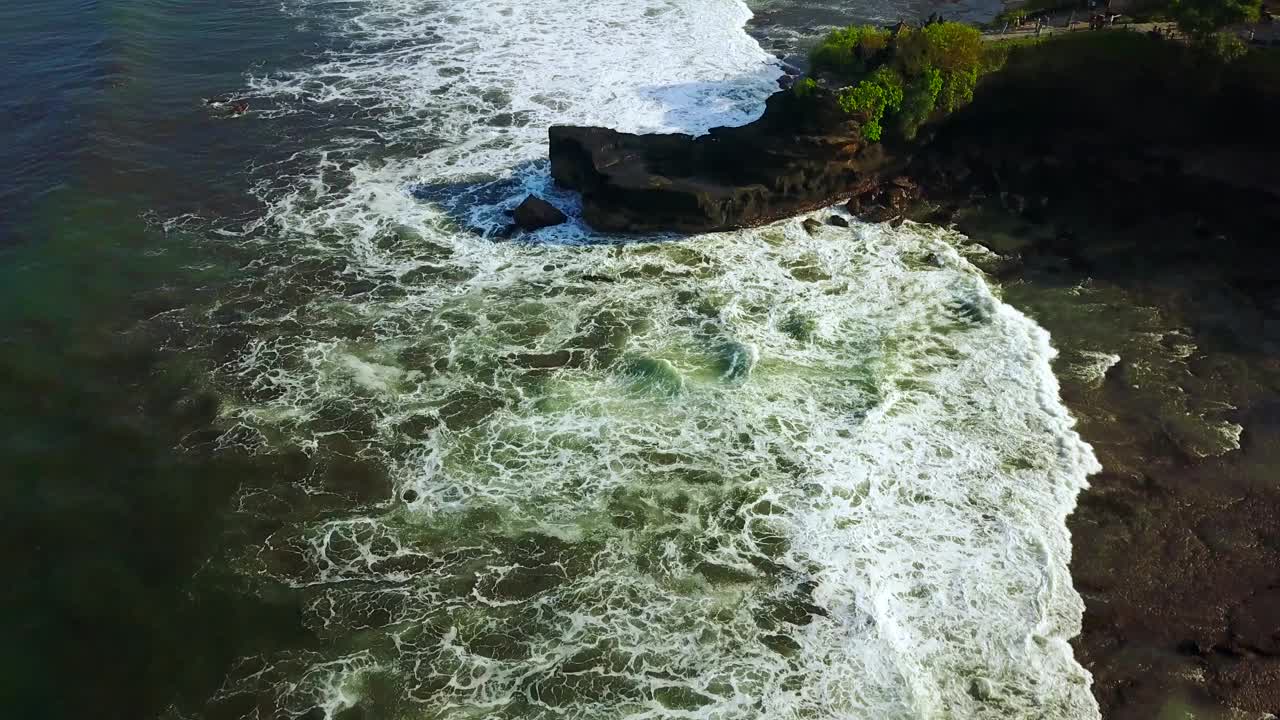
x: 802, y: 153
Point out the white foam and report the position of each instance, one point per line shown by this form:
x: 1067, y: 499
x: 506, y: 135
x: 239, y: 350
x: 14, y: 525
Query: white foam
x: 772, y: 424
x: 1094, y: 365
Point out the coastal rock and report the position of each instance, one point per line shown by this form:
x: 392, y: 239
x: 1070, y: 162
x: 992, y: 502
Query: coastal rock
x: 879, y: 214
x: 535, y: 213
x: 837, y: 221
x: 811, y: 226
x: 803, y: 153
x: 1256, y: 623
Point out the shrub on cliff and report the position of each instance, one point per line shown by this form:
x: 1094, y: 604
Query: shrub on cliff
x: 907, y: 77
x: 848, y: 50
x: 1225, y: 46
x: 919, y: 101
x: 805, y: 87
x: 1201, y: 19
x: 871, y: 98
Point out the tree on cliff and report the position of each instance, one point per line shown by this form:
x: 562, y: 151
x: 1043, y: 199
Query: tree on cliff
x: 1202, y: 21
x: 905, y: 77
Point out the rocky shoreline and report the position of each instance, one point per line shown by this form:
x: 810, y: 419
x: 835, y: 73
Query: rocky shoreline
x: 803, y: 153
x: 1142, y: 185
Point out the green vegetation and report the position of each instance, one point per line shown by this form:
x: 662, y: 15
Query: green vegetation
x: 1217, y: 55
x: 1225, y: 46
x: 1149, y: 82
x: 894, y: 83
x: 847, y: 51
x: 806, y: 87
x: 881, y: 92
x: 902, y: 79
x: 1202, y: 19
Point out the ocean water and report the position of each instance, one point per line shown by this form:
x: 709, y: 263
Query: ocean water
x: 407, y: 469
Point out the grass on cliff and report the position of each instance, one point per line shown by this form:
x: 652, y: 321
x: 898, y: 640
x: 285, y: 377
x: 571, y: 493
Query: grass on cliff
x: 1119, y: 53
x: 893, y: 83
x: 1138, y: 85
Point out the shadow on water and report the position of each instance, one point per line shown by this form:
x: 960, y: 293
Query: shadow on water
x: 483, y: 205
x: 484, y: 208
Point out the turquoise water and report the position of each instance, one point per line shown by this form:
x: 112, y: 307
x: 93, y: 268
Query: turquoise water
x: 293, y: 435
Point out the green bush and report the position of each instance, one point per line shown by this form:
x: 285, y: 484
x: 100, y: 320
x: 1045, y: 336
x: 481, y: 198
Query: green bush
x: 871, y: 98
x: 1201, y: 19
x: 918, y: 102
x: 805, y: 87
x: 1225, y: 47
x: 848, y: 51
x: 908, y: 77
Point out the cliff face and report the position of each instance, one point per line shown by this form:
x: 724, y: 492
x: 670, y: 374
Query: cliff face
x: 1160, y: 142
x: 1120, y: 127
x: 1150, y: 171
x: 803, y: 153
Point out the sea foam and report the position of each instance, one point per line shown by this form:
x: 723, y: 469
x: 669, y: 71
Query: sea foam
x: 759, y: 474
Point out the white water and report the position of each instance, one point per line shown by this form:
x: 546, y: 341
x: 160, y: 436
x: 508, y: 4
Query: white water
x: 769, y: 475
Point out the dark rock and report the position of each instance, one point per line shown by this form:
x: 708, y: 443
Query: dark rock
x: 981, y: 689
x: 1154, y: 573
x: 535, y: 213
x: 837, y: 221
x: 802, y: 154
x: 811, y: 226
x: 1256, y: 623
x: 1014, y: 202
x: 878, y: 214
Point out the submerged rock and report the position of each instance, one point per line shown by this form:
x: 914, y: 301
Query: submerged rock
x: 982, y: 689
x: 535, y: 213
x: 802, y: 154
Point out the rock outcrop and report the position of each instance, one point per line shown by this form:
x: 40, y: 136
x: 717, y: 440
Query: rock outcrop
x: 535, y: 213
x: 801, y: 154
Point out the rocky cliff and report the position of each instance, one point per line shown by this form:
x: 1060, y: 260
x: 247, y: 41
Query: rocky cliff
x: 802, y: 153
